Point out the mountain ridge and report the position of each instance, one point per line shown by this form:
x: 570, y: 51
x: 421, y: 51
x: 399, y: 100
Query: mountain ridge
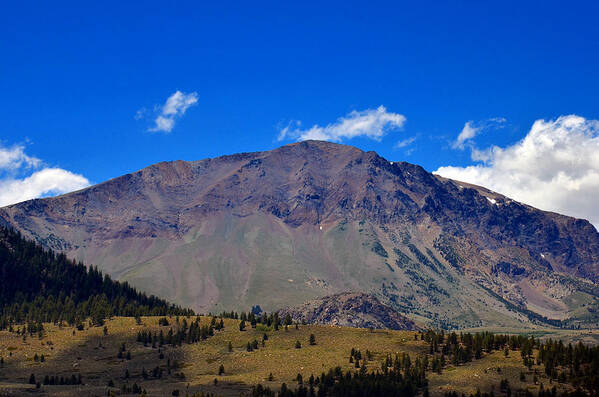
x: 214, y: 233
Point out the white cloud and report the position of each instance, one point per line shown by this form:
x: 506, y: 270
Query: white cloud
x: 15, y: 157
x: 16, y: 187
x: 371, y: 123
x: 468, y: 132
x: 555, y: 167
x: 179, y: 102
x: 404, y: 142
x: 165, y: 124
x: 472, y: 129
x: 48, y: 181
x: 176, y: 105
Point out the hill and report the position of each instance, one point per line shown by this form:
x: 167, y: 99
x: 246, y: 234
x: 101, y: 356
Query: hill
x: 39, y: 285
x: 350, y: 310
x: 313, y: 219
x: 108, y: 362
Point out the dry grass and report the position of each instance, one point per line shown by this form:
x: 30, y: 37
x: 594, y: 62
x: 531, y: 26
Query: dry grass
x: 80, y: 353
x: 486, y: 374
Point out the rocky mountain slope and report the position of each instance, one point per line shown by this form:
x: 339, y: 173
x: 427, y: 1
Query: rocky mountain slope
x: 349, y: 310
x: 313, y: 219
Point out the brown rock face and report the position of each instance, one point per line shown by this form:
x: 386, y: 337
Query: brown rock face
x: 349, y: 309
x: 312, y: 219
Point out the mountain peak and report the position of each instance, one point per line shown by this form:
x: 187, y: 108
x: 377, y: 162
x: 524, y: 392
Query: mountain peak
x: 314, y: 218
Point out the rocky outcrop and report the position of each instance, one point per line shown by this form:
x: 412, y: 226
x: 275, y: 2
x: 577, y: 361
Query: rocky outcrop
x: 349, y: 309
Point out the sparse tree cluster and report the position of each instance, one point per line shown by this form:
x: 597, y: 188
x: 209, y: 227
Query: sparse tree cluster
x: 458, y: 349
x: 185, y: 332
x: 575, y: 364
x: 57, y: 380
x: 268, y: 320
x: 251, y: 346
x: 394, y: 382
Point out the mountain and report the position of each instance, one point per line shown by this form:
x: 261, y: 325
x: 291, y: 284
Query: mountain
x: 312, y: 219
x: 39, y: 285
x: 349, y: 310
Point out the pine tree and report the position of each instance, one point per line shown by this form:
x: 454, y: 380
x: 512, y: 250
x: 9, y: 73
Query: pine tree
x: 312, y: 340
x: 242, y: 325
x: 288, y: 320
x: 221, y: 369
x: 298, y: 345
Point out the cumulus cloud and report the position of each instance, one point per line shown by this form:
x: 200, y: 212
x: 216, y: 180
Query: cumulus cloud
x: 555, y: 167
x: 472, y: 129
x: 175, y: 106
x: 370, y: 123
x: 46, y: 182
x: 22, y: 179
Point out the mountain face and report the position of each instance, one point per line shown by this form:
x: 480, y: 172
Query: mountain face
x: 312, y: 219
x: 349, y: 309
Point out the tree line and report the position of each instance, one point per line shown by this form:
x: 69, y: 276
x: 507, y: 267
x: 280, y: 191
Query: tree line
x: 40, y: 285
x: 394, y: 382
x: 576, y: 364
x: 254, y: 318
x: 464, y: 347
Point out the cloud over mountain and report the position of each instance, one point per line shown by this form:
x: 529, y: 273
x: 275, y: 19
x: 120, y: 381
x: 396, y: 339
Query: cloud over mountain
x: 370, y: 123
x: 555, y: 167
x: 18, y: 183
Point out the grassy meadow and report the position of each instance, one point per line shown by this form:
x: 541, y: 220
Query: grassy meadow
x: 194, y: 367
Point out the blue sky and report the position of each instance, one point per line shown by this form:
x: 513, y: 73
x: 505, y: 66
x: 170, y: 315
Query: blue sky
x: 74, y: 77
